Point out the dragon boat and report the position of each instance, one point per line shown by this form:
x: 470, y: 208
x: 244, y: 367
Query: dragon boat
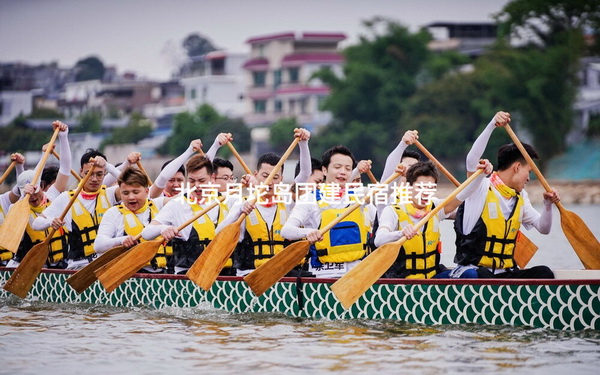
x: 570, y: 302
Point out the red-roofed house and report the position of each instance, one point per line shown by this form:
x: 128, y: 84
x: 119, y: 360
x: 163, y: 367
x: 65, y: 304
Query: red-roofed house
x: 279, y: 73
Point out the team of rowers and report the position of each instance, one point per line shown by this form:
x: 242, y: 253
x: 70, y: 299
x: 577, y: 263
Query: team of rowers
x: 118, y: 204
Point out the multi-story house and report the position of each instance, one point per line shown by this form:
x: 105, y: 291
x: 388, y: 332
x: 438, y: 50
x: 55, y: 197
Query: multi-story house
x: 279, y: 75
x: 218, y: 81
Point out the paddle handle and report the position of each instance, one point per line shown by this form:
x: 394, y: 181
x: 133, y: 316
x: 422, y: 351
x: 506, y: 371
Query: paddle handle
x: 239, y: 158
x: 38, y: 171
x: 141, y: 167
x: 73, y: 198
x: 282, y: 160
x: 371, y: 177
x: 7, y: 172
x: 437, y: 209
x: 530, y: 161
x: 73, y: 173
x: 354, y: 206
x: 437, y: 163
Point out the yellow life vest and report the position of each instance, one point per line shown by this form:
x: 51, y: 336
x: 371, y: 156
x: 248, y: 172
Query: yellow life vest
x: 133, y: 227
x: 185, y: 253
x: 419, y: 256
x: 492, y: 241
x: 4, y: 254
x: 85, y: 225
x: 262, y: 243
x: 347, y: 240
x: 58, y: 244
x: 501, y: 234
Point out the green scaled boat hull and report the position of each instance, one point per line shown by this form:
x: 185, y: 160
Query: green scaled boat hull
x: 571, y: 304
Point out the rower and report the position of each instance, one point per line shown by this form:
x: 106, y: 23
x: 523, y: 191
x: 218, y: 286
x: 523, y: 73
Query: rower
x: 121, y: 223
x: 189, y: 243
x: 419, y: 256
x: 488, y: 222
x: 260, y: 233
x: 340, y: 249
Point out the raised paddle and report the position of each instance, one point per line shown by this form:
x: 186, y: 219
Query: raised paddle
x: 209, y: 264
x: 7, y: 171
x: 239, y: 158
x: 139, y: 164
x: 85, y: 277
x: 283, y: 262
x: 524, y: 248
x: 582, y: 240
x: 73, y: 173
x: 358, y: 280
x: 30, y: 267
x: 123, y: 267
x: 11, y: 231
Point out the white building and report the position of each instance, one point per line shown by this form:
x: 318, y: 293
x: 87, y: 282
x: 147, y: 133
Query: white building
x: 279, y: 72
x: 13, y: 104
x: 221, y: 84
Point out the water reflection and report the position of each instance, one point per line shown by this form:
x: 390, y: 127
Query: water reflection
x: 100, y: 339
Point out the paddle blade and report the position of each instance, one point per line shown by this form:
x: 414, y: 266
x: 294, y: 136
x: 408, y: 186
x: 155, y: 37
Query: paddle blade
x: 358, y: 280
x: 24, y: 276
x: 524, y: 250
x: 275, y: 268
x: 85, y: 277
x: 209, y: 264
x: 122, y: 268
x: 13, y: 227
x: 581, y: 238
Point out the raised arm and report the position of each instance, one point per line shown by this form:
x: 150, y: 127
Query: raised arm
x: 170, y: 169
x: 305, y: 164
x: 481, y: 142
x: 64, y: 171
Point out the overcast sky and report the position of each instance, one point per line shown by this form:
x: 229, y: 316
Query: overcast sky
x: 145, y: 36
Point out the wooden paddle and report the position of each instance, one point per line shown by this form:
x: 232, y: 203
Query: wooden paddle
x: 283, y: 262
x: 85, y: 277
x: 209, y: 264
x: 582, y: 239
x: 358, y: 280
x: 524, y: 248
x: 7, y: 171
x: 139, y: 164
x: 30, y: 267
x: 73, y: 173
x: 115, y: 272
x: 11, y: 231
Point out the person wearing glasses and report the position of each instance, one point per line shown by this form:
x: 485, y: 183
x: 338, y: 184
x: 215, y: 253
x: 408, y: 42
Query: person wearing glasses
x: 83, y: 219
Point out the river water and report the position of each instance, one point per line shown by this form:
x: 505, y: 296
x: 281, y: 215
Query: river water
x: 38, y: 337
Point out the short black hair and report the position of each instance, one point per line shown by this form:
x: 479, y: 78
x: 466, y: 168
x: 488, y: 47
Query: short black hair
x: 339, y: 149
x: 49, y: 175
x: 411, y: 154
x: 181, y: 168
x: 221, y: 163
x: 421, y: 168
x: 509, y: 153
x: 268, y: 158
x: 315, y: 165
x: 91, y: 153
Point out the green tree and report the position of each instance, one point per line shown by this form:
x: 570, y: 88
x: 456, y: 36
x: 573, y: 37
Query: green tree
x: 89, y: 68
x: 137, y: 129
x: 367, y: 102
x: 281, y: 133
x: 46, y: 113
x: 90, y: 121
x: 204, y: 124
x: 197, y: 45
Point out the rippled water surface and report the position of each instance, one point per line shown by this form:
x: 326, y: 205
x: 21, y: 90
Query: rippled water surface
x: 44, y: 338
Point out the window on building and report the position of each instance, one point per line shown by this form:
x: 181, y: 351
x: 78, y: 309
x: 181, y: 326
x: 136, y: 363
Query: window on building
x: 261, y: 50
x: 277, y: 78
x: 303, y: 105
x: 291, y: 106
x: 1, y: 107
x: 260, y: 106
x: 193, y: 93
x: 278, y: 106
x: 294, y: 74
x: 259, y: 78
